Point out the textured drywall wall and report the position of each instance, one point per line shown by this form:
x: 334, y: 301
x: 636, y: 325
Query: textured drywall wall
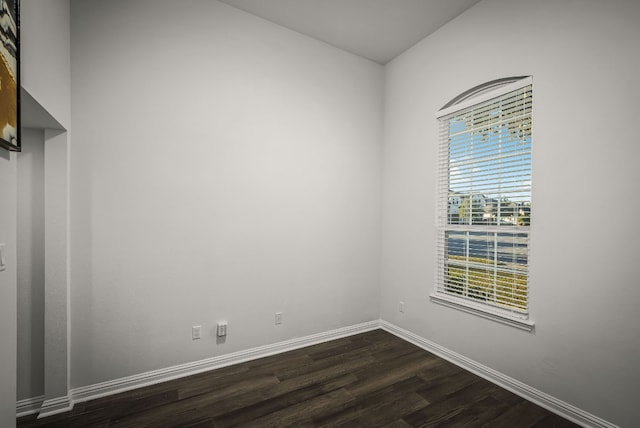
x: 31, y: 264
x: 584, y: 234
x: 223, y: 168
x: 8, y: 281
x: 45, y: 55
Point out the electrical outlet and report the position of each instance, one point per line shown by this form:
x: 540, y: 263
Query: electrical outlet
x: 278, y: 318
x: 196, y: 331
x: 222, y: 329
x: 401, y: 308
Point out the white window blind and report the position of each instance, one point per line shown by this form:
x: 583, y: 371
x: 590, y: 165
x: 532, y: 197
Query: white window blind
x: 484, y: 203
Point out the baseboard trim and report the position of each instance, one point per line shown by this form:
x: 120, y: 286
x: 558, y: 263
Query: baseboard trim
x: 103, y: 389
x: 54, y: 406
x: 527, y: 392
x: 29, y: 406
x: 116, y: 386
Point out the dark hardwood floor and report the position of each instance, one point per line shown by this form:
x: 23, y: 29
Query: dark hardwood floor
x: 372, y: 379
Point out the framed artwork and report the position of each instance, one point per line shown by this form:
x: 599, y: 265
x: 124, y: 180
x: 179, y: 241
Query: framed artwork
x: 10, y: 74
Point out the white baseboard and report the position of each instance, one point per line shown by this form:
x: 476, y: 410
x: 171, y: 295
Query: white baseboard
x: 116, y: 386
x: 54, y: 406
x: 103, y: 389
x: 29, y: 406
x: 527, y: 392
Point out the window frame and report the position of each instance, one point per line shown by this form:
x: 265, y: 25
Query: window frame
x: 465, y: 101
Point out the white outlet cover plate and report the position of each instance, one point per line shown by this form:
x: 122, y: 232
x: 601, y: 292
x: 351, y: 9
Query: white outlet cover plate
x: 196, y: 331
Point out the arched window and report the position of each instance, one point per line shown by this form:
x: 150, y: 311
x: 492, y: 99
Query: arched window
x: 484, y: 201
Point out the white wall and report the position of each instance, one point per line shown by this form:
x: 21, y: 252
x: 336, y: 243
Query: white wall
x: 223, y: 168
x: 30, y: 264
x: 45, y: 55
x: 45, y: 74
x: 45, y: 79
x: 584, y: 294
x: 8, y: 280
x: 56, y: 298
x: 42, y: 268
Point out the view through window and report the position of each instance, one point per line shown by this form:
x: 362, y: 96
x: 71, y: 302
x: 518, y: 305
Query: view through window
x: 485, y: 200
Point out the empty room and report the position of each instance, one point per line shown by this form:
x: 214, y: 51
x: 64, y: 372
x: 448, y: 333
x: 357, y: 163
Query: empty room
x: 401, y: 213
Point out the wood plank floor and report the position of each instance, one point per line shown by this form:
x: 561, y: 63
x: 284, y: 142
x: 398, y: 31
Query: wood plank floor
x: 368, y: 380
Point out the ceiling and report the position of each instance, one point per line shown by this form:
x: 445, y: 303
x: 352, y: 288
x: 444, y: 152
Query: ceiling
x: 376, y: 29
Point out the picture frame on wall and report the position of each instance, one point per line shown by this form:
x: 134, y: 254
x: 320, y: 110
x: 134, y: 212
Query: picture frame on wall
x: 10, y: 74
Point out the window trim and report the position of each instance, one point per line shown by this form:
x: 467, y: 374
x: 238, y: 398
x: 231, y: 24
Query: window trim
x: 482, y: 310
x: 467, y: 99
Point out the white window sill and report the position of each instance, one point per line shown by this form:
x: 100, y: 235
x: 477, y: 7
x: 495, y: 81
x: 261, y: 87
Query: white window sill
x: 505, y: 317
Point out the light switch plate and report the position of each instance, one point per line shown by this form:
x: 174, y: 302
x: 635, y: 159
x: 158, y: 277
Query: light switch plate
x: 3, y: 262
x: 222, y: 329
